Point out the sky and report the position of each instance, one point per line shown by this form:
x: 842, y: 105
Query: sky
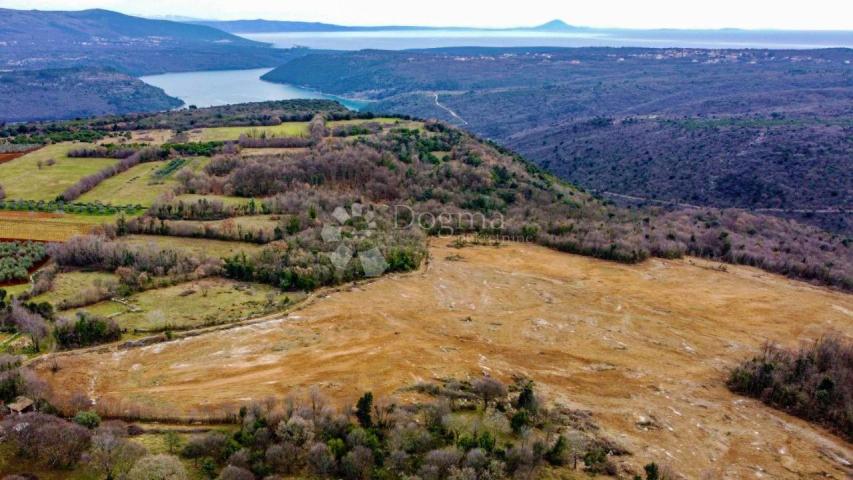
x: 749, y: 14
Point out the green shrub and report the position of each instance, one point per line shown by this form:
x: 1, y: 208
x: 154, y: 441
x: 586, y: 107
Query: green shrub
x: 88, y: 419
x: 85, y: 330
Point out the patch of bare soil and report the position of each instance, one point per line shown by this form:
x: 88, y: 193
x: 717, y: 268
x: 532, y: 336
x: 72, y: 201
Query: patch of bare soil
x: 9, y: 156
x: 645, y: 347
x: 15, y: 214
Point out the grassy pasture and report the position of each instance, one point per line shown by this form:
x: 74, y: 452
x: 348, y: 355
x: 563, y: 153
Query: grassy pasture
x: 139, y: 185
x: 279, y: 152
x: 359, y: 121
x: 221, y: 134
x: 130, y: 187
x: 15, y: 290
x: 22, y: 179
x: 68, y: 285
x: 193, y: 304
x: 199, y: 246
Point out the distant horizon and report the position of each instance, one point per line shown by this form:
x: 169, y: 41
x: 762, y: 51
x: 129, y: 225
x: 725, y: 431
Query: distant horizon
x: 819, y: 15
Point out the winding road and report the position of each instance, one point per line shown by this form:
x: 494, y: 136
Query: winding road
x: 448, y: 109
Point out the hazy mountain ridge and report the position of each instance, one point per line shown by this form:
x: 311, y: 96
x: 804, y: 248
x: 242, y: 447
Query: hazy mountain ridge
x: 282, y: 26
x: 103, y: 26
x: 51, y: 39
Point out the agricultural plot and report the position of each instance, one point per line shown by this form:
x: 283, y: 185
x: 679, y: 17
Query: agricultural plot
x: 221, y: 134
x: 141, y: 184
x: 21, y: 176
x: 9, y: 153
x: 278, y: 152
x: 380, y: 120
x: 198, y: 246
x: 200, y: 303
x: 48, y: 227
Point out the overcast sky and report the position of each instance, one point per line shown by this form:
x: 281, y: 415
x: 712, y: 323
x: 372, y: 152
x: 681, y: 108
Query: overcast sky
x: 756, y: 14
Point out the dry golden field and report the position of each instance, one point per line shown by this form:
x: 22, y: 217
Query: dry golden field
x: 646, y: 348
x: 47, y: 227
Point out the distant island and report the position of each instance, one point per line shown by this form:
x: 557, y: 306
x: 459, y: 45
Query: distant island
x: 279, y: 26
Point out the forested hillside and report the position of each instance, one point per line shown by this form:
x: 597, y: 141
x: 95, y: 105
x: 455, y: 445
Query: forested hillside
x: 76, y: 92
x: 434, y: 169
x: 756, y: 129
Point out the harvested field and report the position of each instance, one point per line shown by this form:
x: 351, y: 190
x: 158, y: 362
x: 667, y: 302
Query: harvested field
x: 646, y: 348
x: 48, y: 227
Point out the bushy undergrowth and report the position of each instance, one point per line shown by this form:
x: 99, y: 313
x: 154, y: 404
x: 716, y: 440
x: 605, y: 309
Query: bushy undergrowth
x: 471, y: 434
x: 85, y: 330
x: 80, y: 208
x: 479, y: 429
x: 814, y: 382
x: 136, y: 265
